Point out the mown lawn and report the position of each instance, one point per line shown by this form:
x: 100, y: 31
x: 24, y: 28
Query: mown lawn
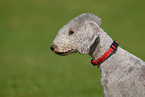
x: 28, y: 68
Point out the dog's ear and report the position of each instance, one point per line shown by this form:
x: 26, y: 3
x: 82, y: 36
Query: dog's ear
x: 92, y: 29
x: 90, y: 35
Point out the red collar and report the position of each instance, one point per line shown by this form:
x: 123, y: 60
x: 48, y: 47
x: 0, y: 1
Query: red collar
x: 106, y: 55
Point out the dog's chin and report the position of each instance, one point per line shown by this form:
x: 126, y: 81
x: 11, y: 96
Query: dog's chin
x: 65, y: 53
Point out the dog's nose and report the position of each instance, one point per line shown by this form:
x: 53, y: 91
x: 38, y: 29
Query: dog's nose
x: 52, y: 47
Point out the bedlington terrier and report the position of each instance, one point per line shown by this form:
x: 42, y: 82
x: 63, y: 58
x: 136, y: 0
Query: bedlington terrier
x: 122, y: 74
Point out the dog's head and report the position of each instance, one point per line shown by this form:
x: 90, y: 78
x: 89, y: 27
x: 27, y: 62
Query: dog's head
x: 77, y: 36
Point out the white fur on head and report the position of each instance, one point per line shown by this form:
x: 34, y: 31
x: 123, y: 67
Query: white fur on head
x: 86, y: 30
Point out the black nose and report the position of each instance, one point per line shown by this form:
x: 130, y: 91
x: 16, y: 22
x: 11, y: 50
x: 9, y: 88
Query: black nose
x: 52, y: 47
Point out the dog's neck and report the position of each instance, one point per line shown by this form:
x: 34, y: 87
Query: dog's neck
x: 101, y: 45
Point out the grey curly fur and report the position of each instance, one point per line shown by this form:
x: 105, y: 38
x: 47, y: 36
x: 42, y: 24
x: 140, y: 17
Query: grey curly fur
x: 122, y: 75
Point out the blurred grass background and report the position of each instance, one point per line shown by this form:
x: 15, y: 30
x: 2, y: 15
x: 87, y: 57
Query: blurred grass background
x: 28, y: 68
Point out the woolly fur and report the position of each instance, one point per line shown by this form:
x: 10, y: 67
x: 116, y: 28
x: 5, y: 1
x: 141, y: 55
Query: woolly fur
x: 123, y: 74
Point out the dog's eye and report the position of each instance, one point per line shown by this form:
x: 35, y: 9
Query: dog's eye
x: 71, y: 32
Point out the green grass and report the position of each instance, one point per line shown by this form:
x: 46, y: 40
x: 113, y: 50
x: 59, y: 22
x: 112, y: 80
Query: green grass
x: 27, y: 28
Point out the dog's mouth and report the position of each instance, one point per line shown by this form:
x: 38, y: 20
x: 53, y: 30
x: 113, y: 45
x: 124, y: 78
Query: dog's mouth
x: 65, y: 53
